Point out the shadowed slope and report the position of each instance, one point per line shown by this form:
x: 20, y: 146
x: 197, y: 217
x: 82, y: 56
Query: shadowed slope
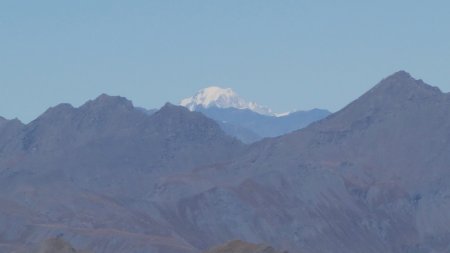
x: 367, y: 175
x: 370, y: 178
x: 80, y: 171
x: 365, y: 179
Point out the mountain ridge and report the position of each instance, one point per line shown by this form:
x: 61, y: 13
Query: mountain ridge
x: 372, y: 177
x: 247, y: 121
x: 371, y: 151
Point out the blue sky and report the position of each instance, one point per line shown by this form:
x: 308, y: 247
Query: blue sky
x: 283, y: 54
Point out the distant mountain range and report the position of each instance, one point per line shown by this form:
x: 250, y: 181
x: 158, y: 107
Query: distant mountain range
x: 248, y: 121
x: 249, y: 126
x: 109, y: 177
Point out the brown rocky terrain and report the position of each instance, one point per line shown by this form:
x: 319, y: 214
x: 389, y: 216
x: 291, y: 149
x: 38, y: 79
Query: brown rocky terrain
x: 238, y: 246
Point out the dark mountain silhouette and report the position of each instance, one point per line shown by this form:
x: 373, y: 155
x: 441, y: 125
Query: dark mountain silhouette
x: 79, y: 171
x: 113, y: 127
x: 370, y: 178
x: 365, y: 179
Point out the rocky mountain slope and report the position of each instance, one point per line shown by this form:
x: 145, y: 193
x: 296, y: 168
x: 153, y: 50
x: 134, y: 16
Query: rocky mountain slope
x: 370, y: 178
x: 91, y: 172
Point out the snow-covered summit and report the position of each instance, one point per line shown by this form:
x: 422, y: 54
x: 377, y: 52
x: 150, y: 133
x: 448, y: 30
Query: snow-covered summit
x: 222, y: 98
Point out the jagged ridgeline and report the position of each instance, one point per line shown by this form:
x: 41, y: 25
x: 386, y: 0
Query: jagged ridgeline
x: 372, y: 177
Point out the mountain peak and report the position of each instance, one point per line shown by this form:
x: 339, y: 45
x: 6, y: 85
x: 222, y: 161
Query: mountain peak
x: 169, y: 105
x: 402, y: 85
x: 397, y: 94
x: 401, y: 74
x: 398, y: 79
x: 170, y: 108
x: 215, y: 96
x: 5, y: 122
x: 403, y: 79
x: 105, y: 101
x: 100, y: 105
x: 57, y: 111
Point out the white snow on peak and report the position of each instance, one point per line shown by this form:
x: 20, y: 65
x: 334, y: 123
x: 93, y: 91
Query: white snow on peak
x: 222, y: 98
x: 282, y: 114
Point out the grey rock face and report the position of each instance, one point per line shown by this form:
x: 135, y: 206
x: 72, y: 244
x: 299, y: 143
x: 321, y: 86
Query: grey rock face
x: 80, y: 172
x: 369, y: 172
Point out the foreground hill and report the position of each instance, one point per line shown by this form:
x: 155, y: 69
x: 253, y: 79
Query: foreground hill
x: 52, y: 245
x: 370, y: 178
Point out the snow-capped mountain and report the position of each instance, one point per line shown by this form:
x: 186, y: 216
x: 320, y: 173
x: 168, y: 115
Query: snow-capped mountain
x: 222, y: 98
x: 245, y: 120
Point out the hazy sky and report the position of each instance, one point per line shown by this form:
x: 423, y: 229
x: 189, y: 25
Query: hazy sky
x: 283, y: 54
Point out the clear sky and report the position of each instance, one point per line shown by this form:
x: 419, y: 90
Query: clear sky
x: 283, y: 54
